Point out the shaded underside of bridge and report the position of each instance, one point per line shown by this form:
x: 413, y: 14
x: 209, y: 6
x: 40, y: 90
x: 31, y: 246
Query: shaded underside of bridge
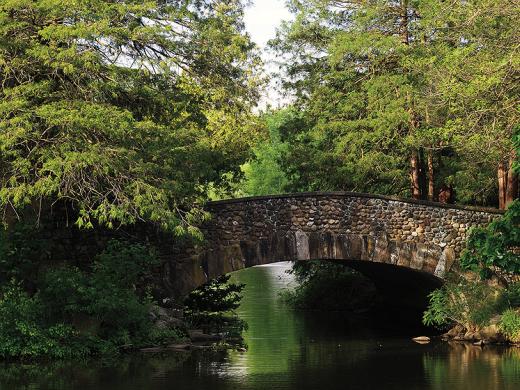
x: 392, y: 241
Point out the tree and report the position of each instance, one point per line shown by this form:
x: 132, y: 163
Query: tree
x: 124, y: 111
x: 476, y: 83
x: 362, y: 94
x: 495, y: 249
x: 392, y: 91
x: 263, y: 173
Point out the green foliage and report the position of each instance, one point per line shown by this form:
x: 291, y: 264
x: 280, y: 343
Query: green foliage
x: 81, y: 312
x: 114, y: 108
x: 24, y: 334
x: 438, y: 313
x: 510, y: 325
x: 165, y: 336
x: 215, y: 296
x: 22, y: 248
x: 512, y: 295
x: 212, y: 306
x: 516, y: 142
x: 493, y: 249
x: 379, y: 82
x: 263, y: 174
x: 107, y: 293
x: 469, y: 303
x: 329, y: 286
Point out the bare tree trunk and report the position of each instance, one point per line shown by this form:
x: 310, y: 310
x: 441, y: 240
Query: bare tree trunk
x: 403, y: 24
x: 502, y: 185
x: 431, y: 184
x: 511, y: 192
x: 415, y: 175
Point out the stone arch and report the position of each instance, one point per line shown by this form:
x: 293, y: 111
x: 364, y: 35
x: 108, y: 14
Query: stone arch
x: 425, y: 237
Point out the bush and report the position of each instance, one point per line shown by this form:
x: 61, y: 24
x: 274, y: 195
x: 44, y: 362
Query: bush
x: 493, y: 250
x: 329, y: 286
x: 158, y: 336
x: 215, y: 296
x: 510, y: 325
x: 107, y: 294
x: 512, y: 295
x: 473, y: 304
x: 24, y: 333
x: 469, y: 303
x: 78, y: 312
x: 22, y: 249
x: 212, y: 307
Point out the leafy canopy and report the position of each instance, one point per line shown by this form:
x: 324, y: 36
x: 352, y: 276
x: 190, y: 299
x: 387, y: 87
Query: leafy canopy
x: 380, y: 81
x: 125, y: 110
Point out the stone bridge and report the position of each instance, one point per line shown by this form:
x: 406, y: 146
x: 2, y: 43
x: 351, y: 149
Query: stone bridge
x: 376, y: 235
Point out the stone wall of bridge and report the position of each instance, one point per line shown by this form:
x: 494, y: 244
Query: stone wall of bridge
x: 423, y: 236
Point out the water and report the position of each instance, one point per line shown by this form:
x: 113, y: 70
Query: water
x: 292, y: 350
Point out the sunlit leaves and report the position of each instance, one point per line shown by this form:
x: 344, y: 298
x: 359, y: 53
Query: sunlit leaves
x: 125, y: 111
x: 494, y: 249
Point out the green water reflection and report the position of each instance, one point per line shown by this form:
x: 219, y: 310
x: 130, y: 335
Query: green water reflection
x: 292, y: 350
x: 274, y: 335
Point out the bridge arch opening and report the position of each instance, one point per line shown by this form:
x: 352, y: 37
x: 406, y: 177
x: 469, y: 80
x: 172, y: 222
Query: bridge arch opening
x: 397, y: 305
x: 396, y: 286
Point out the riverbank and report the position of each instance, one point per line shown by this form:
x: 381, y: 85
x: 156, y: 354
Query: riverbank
x: 488, y: 335
x: 164, y: 318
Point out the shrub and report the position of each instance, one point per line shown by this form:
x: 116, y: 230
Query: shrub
x: 329, y: 286
x: 212, y: 307
x: 469, y: 303
x: 493, y: 250
x: 78, y: 312
x: 22, y: 248
x: 24, y: 333
x: 512, y: 295
x: 510, y: 325
x: 473, y: 304
x: 215, y: 296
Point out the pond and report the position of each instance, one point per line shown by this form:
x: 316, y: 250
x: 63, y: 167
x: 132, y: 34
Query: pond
x: 293, y: 350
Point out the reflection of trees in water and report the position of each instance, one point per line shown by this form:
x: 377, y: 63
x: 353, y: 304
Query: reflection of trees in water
x: 360, y: 364
x: 126, y: 372
x: 466, y: 366
x: 273, y: 334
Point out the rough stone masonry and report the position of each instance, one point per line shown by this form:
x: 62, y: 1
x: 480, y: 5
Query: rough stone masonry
x: 423, y: 236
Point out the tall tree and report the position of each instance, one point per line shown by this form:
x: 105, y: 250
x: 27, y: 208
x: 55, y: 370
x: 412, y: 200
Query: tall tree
x: 123, y: 110
x: 476, y: 82
x: 365, y: 101
x: 393, y: 89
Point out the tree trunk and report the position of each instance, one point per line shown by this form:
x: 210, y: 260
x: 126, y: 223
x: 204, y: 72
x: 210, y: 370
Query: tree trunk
x: 431, y: 186
x: 415, y: 175
x: 403, y: 24
x: 511, y: 192
x: 502, y: 185
x: 415, y: 172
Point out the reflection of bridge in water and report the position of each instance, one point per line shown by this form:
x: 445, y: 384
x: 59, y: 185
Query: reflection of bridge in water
x: 388, y: 239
